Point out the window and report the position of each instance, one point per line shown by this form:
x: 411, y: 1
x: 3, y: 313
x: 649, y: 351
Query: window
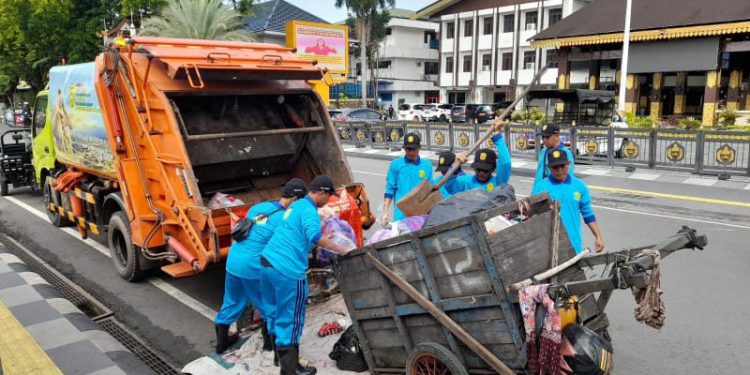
x: 531, y: 18
x: 507, y: 59
x: 430, y: 67
x: 467, y: 63
x: 555, y: 15
x: 529, y: 58
x: 384, y: 64
x: 486, y: 61
x: 40, y: 114
x: 449, y: 64
x: 388, y: 31
x: 552, y: 58
x: 468, y: 27
x: 487, y: 25
x: 429, y: 36
x: 450, y: 30
x: 508, y: 21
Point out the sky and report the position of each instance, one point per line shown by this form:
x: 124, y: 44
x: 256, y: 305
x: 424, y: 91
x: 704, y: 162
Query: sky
x: 326, y: 9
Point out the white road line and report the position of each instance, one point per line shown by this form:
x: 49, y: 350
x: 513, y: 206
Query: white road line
x: 700, y: 181
x: 644, y: 176
x: 517, y: 164
x: 747, y: 187
x: 394, y: 153
x: 663, y: 216
x: 595, y: 172
x: 177, y: 294
x: 369, y: 173
x: 371, y: 152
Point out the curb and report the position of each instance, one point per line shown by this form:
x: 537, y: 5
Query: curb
x: 73, y: 341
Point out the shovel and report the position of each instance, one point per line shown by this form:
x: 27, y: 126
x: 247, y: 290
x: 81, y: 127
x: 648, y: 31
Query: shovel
x: 425, y: 196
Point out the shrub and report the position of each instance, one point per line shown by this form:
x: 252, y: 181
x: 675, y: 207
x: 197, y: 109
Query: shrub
x: 727, y: 117
x: 533, y: 115
x: 689, y: 123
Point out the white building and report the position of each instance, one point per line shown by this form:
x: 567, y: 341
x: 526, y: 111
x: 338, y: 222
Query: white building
x: 485, y: 56
x: 408, y: 61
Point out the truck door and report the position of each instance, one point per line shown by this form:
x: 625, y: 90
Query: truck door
x: 43, y: 150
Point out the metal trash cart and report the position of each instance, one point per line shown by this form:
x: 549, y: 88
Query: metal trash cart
x: 443, y: 300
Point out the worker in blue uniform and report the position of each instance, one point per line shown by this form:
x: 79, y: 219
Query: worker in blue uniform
x: 574, y: 198
x: 242, y: 284
x: 283, y: 272
x: 404, y: 174
x: 485, y: 162
x: 551, y: 142
x: 445, y: 162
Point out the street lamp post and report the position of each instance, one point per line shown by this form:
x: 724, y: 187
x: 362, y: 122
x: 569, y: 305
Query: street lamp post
x: 624, y: 67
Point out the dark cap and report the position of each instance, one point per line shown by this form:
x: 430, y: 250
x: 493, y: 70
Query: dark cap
x: 550, y: 129
x: 485, y: 159
x: 412, y: 141
x: 445, y: 161
x: 557, y: 157
x: 323, y: 184
x: 295, y: 188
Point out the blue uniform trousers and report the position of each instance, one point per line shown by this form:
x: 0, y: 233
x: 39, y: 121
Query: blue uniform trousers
x: 238, y: 292
x: 285, y: 300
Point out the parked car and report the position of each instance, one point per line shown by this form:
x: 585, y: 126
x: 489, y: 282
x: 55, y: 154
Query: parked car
x: 410, y: 112
x: 333, y: 113
x: 358, y: 114
x: 430, y: 112
x: 464, y: 113
x: 444, y: 112
x: 15, y: 118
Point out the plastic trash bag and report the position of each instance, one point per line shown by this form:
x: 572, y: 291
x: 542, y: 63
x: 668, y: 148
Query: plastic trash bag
x: 340, y: 233
x: 220, y: 200
x: 467, y: 203
x: 397, y: 228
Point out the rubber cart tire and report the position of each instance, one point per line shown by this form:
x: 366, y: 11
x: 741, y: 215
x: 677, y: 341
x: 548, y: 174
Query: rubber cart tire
x: 429, y: 358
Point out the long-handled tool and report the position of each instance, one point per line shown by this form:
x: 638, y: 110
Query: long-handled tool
x: 425, y: 196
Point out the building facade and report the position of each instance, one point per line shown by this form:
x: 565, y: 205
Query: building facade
x: 687, y: 57
x: 269, y: 19
x: 485, y: 55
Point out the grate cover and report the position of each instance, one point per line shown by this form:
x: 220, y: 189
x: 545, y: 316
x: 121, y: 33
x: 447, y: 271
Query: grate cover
x: 137, y: 347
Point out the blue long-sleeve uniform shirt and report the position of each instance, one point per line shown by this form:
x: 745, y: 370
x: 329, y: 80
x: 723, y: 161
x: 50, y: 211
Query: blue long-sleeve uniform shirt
x: 403, y: 176
x: 288, y: 247
x: 502, y: 170
x: 452, y: 186
x: 575, y: 202
x: 542, y: 171
x: 244, y: 256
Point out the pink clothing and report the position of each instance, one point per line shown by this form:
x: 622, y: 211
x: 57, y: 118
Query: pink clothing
x: 320, y: 50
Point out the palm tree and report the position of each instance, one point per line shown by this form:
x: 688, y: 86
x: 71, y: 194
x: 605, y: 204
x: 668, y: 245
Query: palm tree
x: 363, y: 10
x: 197, y: 19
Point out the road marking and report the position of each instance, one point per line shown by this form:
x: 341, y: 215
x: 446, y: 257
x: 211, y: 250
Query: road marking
x: 517, y: 164
x: 670, y: 196
x: 369, y: 173
x: 394, y: 153
x: 700, y: 181
x: 644, y: 176
x: 595, y: 172
x: 663, y: 216
x: 747, y: 187
x: 371, y: 151
x: 177, y: 294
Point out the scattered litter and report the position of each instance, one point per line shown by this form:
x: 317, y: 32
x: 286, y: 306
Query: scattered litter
x: 398, y: 228
x: 330, y: 328
x: 340, y: 233
x: 498, y: 223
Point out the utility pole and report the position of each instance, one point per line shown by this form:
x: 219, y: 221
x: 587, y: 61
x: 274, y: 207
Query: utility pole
x: 363, y: 58
x: 624, y: 67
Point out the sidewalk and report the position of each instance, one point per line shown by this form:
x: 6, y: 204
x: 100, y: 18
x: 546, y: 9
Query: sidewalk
x: 43, y: 333
x: 527, y: 168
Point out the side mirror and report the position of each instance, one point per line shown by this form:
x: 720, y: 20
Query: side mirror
x: 17, y: 137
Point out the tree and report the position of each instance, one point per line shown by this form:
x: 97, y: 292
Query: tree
x: 378, y: 21
x: 197, y: 19
x: 362, y: 11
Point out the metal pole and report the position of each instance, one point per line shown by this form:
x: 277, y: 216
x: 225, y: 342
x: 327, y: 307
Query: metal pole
x: 625, y: 49
x: 363, y: 58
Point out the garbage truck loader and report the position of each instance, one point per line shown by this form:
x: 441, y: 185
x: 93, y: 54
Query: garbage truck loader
x: 158, y: 140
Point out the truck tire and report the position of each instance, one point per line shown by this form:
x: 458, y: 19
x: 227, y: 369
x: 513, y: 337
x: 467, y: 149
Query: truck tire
x: 125, y: 255
x: 52, y: 196
x: 3, y: 187
x: 429, y: 358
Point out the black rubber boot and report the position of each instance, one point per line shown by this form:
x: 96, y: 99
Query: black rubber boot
x: 289, y: 359
x: 267, y: 343
x: 275, y: 352
x: 223, y: 339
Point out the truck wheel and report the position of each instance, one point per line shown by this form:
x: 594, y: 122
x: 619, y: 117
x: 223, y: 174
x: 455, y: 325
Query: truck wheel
x: 429, y: 358
x: 125, y: 256
x: 3, y: 187
x: 52, y: 196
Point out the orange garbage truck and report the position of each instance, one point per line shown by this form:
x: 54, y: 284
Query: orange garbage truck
x: 158, y: 141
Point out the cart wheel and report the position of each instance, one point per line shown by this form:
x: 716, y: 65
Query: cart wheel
x: 429, y: 358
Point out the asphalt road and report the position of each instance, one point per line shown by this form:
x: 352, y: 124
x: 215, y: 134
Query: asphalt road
x: 706, y: 324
